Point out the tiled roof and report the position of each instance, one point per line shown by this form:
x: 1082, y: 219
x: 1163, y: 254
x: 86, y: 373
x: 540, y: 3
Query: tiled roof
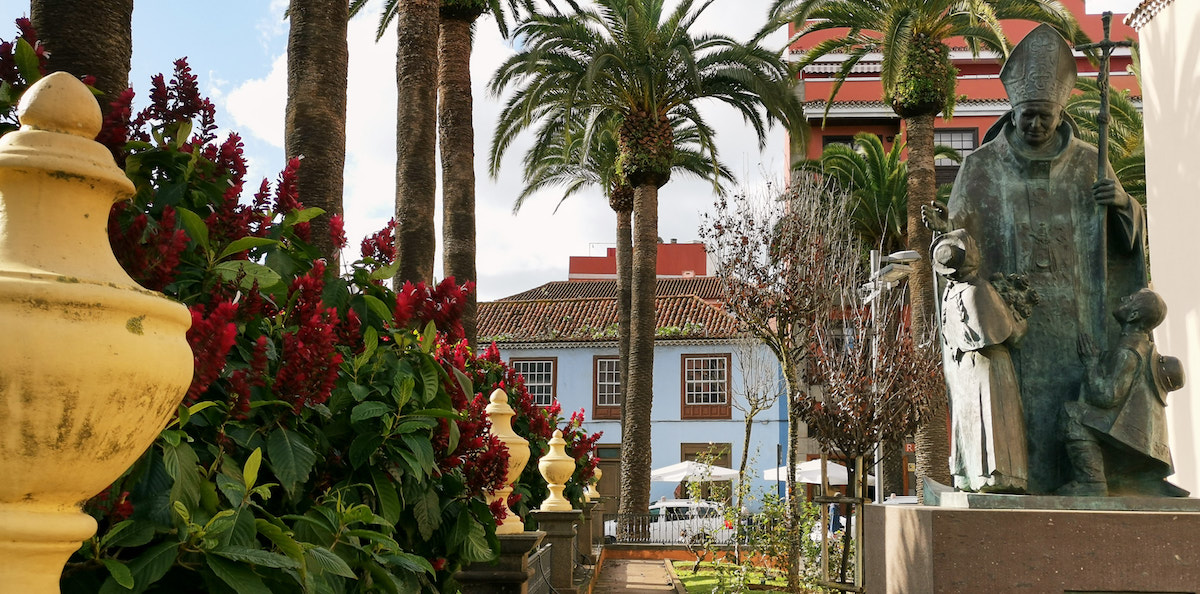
x: 595, y: 319
x: 707, y: 288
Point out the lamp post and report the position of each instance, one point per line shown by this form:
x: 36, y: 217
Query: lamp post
x: 886, y: 274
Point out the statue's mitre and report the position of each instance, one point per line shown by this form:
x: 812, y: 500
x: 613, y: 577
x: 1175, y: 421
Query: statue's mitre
x: 1040, y: 68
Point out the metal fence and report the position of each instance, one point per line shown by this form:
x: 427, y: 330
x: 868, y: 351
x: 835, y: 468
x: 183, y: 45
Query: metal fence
x: 539, y: 560
x: 666, y: 529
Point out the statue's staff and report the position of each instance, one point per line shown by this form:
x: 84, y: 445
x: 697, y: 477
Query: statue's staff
x: 1106, y: 47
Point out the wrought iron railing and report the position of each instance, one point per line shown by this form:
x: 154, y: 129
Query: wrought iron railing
x: 666, y: 529
x: 539, y: 560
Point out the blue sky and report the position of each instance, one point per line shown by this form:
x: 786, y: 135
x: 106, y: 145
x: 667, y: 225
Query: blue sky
x: 237, y: 50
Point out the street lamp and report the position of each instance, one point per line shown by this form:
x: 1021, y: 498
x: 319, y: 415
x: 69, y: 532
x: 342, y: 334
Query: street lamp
x: 886, y: 273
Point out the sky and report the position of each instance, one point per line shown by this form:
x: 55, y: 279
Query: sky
x: 237, y: 49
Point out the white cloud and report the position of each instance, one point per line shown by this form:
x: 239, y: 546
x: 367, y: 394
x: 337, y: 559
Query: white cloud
x: 257, y: 105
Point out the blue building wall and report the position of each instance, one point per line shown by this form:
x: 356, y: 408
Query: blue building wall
x: 574, y: 390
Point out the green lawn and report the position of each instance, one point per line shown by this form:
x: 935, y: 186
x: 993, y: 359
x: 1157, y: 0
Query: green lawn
x: 705, y: 580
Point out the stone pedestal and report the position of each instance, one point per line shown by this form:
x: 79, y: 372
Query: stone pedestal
x: 949, y: 550
x: 598, y: 523
x: 585, y: 538
x: 509, y: 574
x: 560, y: 529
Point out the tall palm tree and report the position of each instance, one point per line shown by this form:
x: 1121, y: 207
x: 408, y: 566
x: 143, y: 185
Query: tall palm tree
x: 877, y: 180
x: 562, y: 155
x: 417, y: 23
x: 88, y: 37
x: 910, y: 37
x: 315, y: 117
x: 632, y: 59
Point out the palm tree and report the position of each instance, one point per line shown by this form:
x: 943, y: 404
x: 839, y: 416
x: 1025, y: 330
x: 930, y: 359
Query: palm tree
x: 88, y: 37
x: 417, y: 24
x: 631, y: 59
x: 562, y: 155
x: 909, y: 37
x: 877, y: 180
x: 315, y: 118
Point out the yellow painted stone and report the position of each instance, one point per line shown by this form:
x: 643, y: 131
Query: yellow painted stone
x: 92, y: 366
x: 557, y: 467
x: 501, y: 414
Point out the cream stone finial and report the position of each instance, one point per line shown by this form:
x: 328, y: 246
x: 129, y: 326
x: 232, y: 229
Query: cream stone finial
x: 591, y: 493
x: 60, y: 103
x: 501, y: 415
x: 557, y: 467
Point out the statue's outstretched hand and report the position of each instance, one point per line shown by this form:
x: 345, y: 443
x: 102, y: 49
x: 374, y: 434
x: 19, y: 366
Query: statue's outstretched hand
x: 1087, y: 350
x: 934, y: 217
x: 1104, y: 192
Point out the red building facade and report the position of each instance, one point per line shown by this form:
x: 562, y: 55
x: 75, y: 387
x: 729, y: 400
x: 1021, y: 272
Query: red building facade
x: 859, y: 106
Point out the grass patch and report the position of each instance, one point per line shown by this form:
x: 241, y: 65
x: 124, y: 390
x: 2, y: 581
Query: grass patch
x: 707, y: 580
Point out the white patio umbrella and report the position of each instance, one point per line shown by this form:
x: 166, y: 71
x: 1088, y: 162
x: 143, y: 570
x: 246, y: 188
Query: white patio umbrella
x: 691, y: 470
x: 810, y: 472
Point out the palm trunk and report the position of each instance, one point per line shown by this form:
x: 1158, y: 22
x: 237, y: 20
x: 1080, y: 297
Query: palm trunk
x: 315, y: 119
x: 416, y: 138
x: 624, y: 295
x: 457, y: 144
x: 88, y: 37
x: 932, y: 439
x: 635, y: 447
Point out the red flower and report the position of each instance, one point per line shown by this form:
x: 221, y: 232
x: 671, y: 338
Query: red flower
x: 337, y: 231
x: 211, y: 336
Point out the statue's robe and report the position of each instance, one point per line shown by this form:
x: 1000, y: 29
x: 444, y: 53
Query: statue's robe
x: 1034, y: 215
x: 987, y: 427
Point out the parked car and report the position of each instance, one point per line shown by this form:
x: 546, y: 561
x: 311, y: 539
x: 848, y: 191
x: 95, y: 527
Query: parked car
x: 677, y: 521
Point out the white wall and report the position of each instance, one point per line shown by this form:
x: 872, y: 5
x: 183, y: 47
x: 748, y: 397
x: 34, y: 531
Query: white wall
x: 1170, y: 45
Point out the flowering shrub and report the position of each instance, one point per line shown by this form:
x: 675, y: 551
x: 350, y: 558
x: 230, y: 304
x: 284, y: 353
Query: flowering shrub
x: 332, y: 439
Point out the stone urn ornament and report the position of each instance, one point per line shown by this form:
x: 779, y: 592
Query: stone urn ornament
x: 92, y: 366
x: 501, y: 414
x: 592, y: 494
x: 557, y: 467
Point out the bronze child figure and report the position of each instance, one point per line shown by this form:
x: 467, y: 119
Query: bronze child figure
x: 1116, y: 433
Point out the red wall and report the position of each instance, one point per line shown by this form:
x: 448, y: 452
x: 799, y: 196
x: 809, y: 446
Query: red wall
x: 674, y: 259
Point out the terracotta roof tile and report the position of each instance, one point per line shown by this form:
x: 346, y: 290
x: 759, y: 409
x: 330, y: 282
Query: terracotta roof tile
x: 595, y: 319
x: 707, y: 288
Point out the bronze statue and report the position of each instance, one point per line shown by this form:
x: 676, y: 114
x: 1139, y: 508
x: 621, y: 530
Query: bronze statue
x: 1027, y: 197
x: 1116, y: 432
x: 979, y: 326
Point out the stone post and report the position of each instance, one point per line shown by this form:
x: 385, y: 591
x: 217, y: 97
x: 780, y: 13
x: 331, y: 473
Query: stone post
x: 93, y: 365
x: 556, y: 516
x: 560, y: 533
x: 509, y: 574
x: 586, y: 537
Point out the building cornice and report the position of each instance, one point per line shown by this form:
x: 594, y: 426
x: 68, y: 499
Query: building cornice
x: 608, y: 344
x: 1145, y: 12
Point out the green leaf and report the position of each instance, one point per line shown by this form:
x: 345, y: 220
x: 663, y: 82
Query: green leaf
x: 475, y: 546
x: 422, y: 448
x: 245, y: 243
x: 326, y: 561
x: 234, y: 491
x: 194, y: 225
x: 238, y: 577
x: 376, y: 537
x: 464, y: 383
x: 265, y: 276
x: 369, y: 410
x: 389, y: 500
x: 429, y: 338
x: 119, y: 572
x: 429, y: 380
x: 150, y: 566
x: 250, y: 470
x: 385, y: 272
x: 130, y: 533
x: 428, y: 514
x: 302, y: 216
x: 281, y: 539
x: 413, y: 563
x: 290, y: 457
x: 363, y: 446
x: 359, y: 392
x: 27, y: 62
x: 377, y: 307
x: 402, y: 388
x: 182, y: 465
x: 258, y: 557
